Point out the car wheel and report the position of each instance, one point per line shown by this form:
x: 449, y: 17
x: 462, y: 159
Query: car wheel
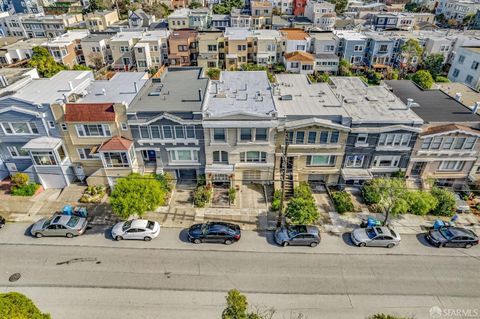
x: 390, y: 245
x: 197, y: 241
x: 69, y: 235
x: 228, y: 242
x: 468, y: 245
x: 38, y: 235
x: 118, y: 238
x: 313, y: 244
x: 147, y: 238
x: 362, y: 245
x: 285, y: 244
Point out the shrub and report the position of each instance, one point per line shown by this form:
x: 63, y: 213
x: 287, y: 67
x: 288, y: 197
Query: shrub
x: 303, y: 191
x: 370, y: 194
x: 20, y: 179
x: 93, y: 194
x: 25, y: 190
x: 446, y: 204
x: 399, y: 174
x: 201, y: 180
x: 423, y: 78
x: 166, y: 180
x: 213, y: 73
x: 232, y: 194
x: 442, y: 79
x: 276, y: 201
x: 202, y: 195
x: 342, y: 201
x: 301, y: 211
x: 16, y: 305
x: 420, y: 202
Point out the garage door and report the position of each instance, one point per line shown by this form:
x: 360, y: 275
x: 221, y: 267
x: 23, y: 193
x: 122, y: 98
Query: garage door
x: 52, y: 181
x: 252, y: 176
x: 187, y: 176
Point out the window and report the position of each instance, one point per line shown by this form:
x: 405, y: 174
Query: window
x: 61, y: 153
x: 51, y: 124
x: 261, y: 134
x: 321, y: 160
x: 386, y: 161
x: 300, y: 47
x: 17, y: 152
x: 85, y: 153
x: 426, y: 143
x: 312, y: 137
x: 253, y: 157
x: 354, y: 161
x: 212, y: 47
x: 294, y: 65
x: 334, y: 137
x: 362, y: 138
x: 475, y: 65
x: 299, y: 137
x: 219, y: 135
x: 447, y: 143
x: 323, y: 137
x: 398, y: 139
x: 44, y: 158
x: 93, y: 130
x: 220, y: 157
x: 461, y: 59
x: 144, y: 132
x: 436, y: 143
x: 383, y: 48
x: 451, y: 165
x: 167, y: 132
x: 455, y: 72
x: 155, y: 131
x: 459, y: 143
x: 469, y: 143
x: 358, y: 48
x: 116, y: 159
x: 19, y: 128
x: 183, y: 155
x: 124, y: 126
x: 245, y: 134
x: 179, y: 131
x: 469, y: 79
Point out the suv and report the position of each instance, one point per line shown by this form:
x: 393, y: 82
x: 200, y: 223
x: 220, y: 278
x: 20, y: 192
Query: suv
x: 298, y: 235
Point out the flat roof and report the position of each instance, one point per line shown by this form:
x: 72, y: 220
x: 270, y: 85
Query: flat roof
x: 469, y: 96
x: 26, y: 44
x: 295, y: 95
x: 127, y: 35
x: 350, y: 34
x: 155, y: 35
x: 69, y: 37
x: 97, y: 37
x: 120, y: 88
x: 371, y: 104
x: 240, y: 92
x: 237, y: 33
x: 178, y: 90
x: 434, y: 105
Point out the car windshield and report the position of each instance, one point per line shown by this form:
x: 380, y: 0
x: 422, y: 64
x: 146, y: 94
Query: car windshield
x: 150, y: 225
x: 371, y: 233
x: 47, y: 223
x: 446, y: 233
x: 73, y: 221
x: 295, y: 230
x: 393, y: 233
x: 126, y: 225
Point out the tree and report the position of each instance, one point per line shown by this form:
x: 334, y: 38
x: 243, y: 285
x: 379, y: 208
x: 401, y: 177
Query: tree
x: 44, y: 62
x: 97, y: 60
x: 213, y: 73
x: 340, y: 5
x: 446, y: 204
x: 137, y: 194
x: 14, y: 305
x: 236, y: 306
x: 389, y: 195
x: 410, y: 51
x: 342, y: 201
x: 95, y: 5
x: 344, y: 68
x: 421, y: 202
x: 194, y: 5
x: 301, y: 209
x: 434, y: 64
x: 423, y: 78
x: 227, y: 6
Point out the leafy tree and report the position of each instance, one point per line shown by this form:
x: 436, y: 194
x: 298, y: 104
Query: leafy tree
x: 423, y: 78
x: 302, y: 211
x: 421, y: 202
x: 344, y: 68
x: 408, y: 51
x: 194, y: 5
x: 342, y: 201
x: 213, y: 73
x: 388, y: 194
x: 137, y: 194
x: 14, y: 305
x: 227, y: 6
x: 81, y: 67
x: 434, y: 64
x: 276, y: 200
x: 236, y: 306
x: 44, y: 62
x: 95, y: 5
x: 446, y: 204
x: 20, y: 179
x: 340, y: 5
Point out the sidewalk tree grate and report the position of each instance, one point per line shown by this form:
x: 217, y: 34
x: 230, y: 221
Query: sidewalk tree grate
x: 14, y: 277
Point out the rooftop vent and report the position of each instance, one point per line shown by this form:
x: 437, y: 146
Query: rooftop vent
x: 371, y: 98
x: 287, y: 97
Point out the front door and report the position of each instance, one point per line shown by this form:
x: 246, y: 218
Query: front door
x: 417, y: 168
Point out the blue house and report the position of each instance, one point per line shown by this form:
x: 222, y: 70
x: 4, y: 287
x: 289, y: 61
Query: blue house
x: 166, y: 123
x: 379, y: 51
x: 29, y: 137
x: 384, y: 21
x: 351, y: 46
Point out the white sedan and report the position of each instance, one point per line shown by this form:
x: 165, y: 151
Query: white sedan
x: 136, y: 229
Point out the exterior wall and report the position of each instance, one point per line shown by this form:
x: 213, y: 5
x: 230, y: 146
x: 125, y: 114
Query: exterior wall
x: 299, y: 7
x: 350, y: 53
x: 377, y: 54
x: 101, y: 21
x: 92, y: 49
x: 208, y: 50
x: 118, y: 56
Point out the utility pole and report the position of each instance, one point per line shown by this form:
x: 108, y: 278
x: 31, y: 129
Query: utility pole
x: 283, y: 167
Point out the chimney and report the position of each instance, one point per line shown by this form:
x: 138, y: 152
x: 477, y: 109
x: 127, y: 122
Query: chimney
x: 135, y: 85
x: 409, y: 103
x: 70, y: 84
x: 200, y: 95
x: 458, y: 97
x: 475, y: 107
x: 104, y: 92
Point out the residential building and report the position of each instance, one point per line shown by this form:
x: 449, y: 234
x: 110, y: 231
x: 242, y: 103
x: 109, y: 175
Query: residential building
x: 267, y: 47
x: 38, y: 26
x: 439, y: 44
x: 324, y: 47
x: 101, y: 20
x: 20, y: 51
x: 211, y: 50
x: 460, y: 92
x: 379, y: 50
x: 178, y: 19
x: 465, y: 67
x: 296, y: 40
x: 240, y: 19
x: 67, y: 49
x: 383, y: 130
x: 166, y: 123
x: 140, y: 19
x: 317, y: 127
x: 476, y: 21
x: 351, y: 46
x: 182, y: 47
x: 220, y: 21
x: 151, y: 51
x: 239, y: 47
x: 447, y: 149
x: 283, y: 7
x: 392, y: 21
x: 321, y: 13
x: 299, y: 62
x: 97, y: 50
x: 457, y: 9
x: 122, y: 44
x: 29, y: 136
x: 262, y: 13
x: 26, y: 6
x: 95, y: 132
x: 199, y: 19
x: 239, y: 120
x: 299, y: 7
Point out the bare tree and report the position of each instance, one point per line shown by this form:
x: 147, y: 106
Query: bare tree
x: 97, y: 60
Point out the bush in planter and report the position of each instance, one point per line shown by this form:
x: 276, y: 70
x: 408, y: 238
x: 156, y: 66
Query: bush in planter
x: 232, y: 194
x: 276, y: 201
x: 202, y: 195
x: 342, y: 201
x: 302, y: 211
x: 25, y: 190
x: 167, y: 181
x: 420, y: 203
x: 20, y: 179
x: 446, y: 204
x: 370, y: 194
x: 93, y: 194
x: 303, y: 191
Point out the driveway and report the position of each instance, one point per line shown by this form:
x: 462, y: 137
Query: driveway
x: 252, y: 196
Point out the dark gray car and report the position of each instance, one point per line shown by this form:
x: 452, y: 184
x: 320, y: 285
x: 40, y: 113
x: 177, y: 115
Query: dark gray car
x: 297, y: 235
x: 59, y: 225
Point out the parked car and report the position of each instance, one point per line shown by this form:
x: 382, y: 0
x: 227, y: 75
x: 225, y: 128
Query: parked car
x: 461, y: 205
x: 297, y: 235
x: 375, y: 237
x: 214, y: 232
x: 2, y: 221
x: 452, y: 237
x: 136, y: 229
x: 59, y: 225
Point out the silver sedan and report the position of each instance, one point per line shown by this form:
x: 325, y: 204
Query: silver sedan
x: 59, y: 225
x: 136, y: 229
x: 375, y: 236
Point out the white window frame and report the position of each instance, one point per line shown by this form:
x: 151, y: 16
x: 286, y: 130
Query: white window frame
x: 394, y: 159
x: 173, y: 155
x: 81, y: 128
x: 123, y: 165
x: 330, y: 158
x: 221, y: 158
x: 15, y: 152
x: 457, y: 166
x: 124, y: 126
x: 253, y: 133
x: 225, y: 133
x: 51, y: 124
x: 262, y: 157
x: 362, y: 138
x: 10, y: 126
x: 394, y: 139
x: 51, y: 153
x: 354, y: 160
x: 83, y: 155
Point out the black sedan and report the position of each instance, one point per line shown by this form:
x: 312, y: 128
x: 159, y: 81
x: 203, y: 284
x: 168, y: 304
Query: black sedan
x: 214, y: 232
x: 452, y: 237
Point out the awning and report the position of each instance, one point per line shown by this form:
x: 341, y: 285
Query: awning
x: 356, y: 174
x: 219, y: 169
x: 43, y: 143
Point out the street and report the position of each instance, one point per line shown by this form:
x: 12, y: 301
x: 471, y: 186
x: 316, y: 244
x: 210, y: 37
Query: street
x: 94, y: 276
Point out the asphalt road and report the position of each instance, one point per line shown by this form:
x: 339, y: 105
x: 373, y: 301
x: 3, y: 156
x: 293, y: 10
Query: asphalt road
x: 95, y: 277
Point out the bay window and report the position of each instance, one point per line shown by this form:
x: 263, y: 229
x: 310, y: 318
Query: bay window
x: 44, y: 158
x: 397, y: 139
x: 93, y: 130
x: 354, y: 161
x: 312, y: 137
x: 386, y: 161
x: 183, y: 155
x: 167, y: 132
x: 321, y: 160
x: 16, y: 151
x: 451, y: 165
x: 448, y: 143
x: 19, y: 128
x: 116, y: 159
x: 253, y: 157
x: 85, y: 153
x: 254, y: 134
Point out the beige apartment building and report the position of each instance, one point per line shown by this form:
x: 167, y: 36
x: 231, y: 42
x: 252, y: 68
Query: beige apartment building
x: 96, y: 50
x: 262, y: 14
x: 101, y: 20
x: 211, y: 49
x: 151, y: 51
x: 66, y: 49
x: 123, y: 54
